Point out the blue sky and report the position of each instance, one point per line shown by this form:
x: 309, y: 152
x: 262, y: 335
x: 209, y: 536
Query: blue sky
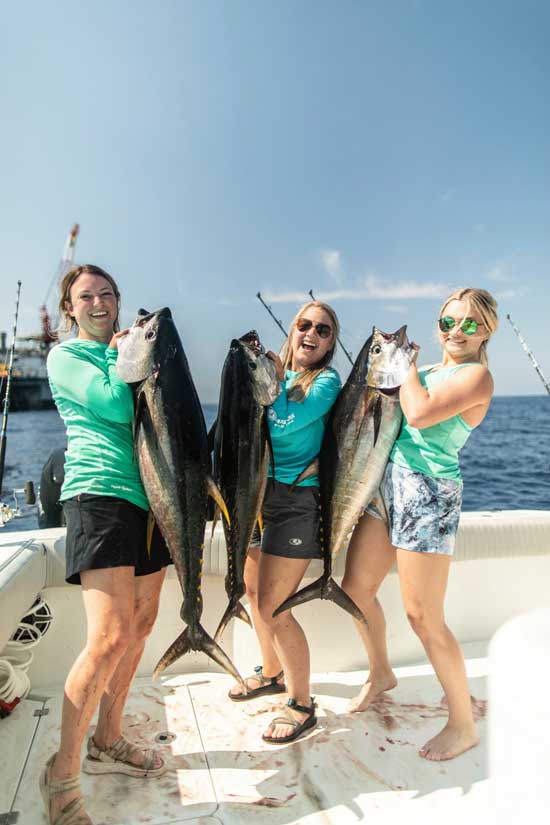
x: 379, y: 153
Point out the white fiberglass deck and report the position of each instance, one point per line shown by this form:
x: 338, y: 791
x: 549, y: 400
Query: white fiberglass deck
x: 351, y: 768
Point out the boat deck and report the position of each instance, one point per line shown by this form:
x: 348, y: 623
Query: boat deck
x: 351, y: 768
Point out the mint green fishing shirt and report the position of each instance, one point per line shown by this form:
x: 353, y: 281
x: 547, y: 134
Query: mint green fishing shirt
x: 97, y: 409
x: 433, y: 451
x: 297, y: 427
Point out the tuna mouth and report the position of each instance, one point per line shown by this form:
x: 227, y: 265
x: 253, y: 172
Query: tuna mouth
x: 392, y: 391
x: 252, y: 340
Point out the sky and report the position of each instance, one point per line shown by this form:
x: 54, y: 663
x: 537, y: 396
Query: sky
x: 379, y: 153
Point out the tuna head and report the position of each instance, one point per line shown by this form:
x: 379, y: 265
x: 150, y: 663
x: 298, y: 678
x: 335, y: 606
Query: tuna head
x: 151, y: 341
x: 389, y: 359
x: 260, y: 369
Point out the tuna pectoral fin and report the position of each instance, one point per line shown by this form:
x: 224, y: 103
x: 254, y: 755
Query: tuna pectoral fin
x: 211, y: 436
x: 236, y: 610
x: 322, y: 589
x: 214, y: 493
x: 196, y: 638
x: 215, y: 518
x: 311, y: 470
x: 150, y: 530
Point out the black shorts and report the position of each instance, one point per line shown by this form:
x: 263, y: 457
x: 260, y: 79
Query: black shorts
x: 103, y: 532
x: 291, y: 522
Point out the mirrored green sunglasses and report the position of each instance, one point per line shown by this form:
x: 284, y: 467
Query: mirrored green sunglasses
x: 468, y: 326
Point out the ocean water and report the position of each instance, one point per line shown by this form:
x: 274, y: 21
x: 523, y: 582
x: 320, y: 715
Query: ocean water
x: 505, y: 463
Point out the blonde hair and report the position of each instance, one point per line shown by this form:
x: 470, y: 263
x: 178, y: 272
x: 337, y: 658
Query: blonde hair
x: 66, y: 321
x: 304, y: 381
x: 482, y: 302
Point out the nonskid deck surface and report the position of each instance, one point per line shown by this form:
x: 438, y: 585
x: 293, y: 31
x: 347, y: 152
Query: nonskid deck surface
x: 351, y: 768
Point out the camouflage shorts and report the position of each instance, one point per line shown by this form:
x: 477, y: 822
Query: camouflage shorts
x: 423, y: 512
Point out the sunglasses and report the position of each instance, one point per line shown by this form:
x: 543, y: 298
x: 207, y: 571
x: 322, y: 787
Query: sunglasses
x: 468, y: 326
x: 323, y: 330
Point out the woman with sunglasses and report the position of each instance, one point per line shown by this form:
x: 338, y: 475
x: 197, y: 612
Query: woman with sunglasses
x: 107, y: 551
x: 422, y: 494
x: 277, y: 563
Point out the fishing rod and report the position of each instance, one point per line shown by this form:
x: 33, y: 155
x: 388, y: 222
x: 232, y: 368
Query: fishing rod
x: 281, y: 327
x: 346, y: 353
x: 8, y: 392
x: 530, y: 354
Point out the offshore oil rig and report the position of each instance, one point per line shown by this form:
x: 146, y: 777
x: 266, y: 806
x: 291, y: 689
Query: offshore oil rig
x: 30, y: 388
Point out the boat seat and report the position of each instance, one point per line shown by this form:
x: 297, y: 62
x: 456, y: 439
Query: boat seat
x: 22, y: 577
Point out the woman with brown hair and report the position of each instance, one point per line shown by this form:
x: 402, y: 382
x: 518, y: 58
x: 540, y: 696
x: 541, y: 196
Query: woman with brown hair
x: 106, y: 547
x: 422, y: 494
x: 276, y: 565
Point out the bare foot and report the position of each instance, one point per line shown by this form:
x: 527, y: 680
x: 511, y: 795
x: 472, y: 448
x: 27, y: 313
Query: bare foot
x: 371, y: 690
x: 450, y: 742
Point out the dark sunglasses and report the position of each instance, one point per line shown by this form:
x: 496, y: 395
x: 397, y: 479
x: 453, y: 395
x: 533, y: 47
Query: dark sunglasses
x: 468, y: 326
x: 323, y: 330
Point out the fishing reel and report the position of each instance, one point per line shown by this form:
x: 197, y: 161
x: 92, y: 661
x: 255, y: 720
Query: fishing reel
x: 13, y: 510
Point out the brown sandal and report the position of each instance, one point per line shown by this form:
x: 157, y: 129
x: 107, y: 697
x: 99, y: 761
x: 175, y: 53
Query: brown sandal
x: 118, y: 759
x: 267, y: 686
x: 72, y: 813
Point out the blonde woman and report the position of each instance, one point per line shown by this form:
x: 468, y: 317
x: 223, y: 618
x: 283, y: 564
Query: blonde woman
x: 422, y: 493
x: 276, y: 565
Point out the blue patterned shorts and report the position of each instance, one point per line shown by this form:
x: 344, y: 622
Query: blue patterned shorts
x: 423, y: 512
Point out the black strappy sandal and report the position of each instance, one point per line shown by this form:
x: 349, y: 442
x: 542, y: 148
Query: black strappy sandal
x: 299, y: 727
x: 266, y: 686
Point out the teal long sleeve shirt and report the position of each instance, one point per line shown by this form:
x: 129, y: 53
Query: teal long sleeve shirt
x: 97, y: 409
x: 297, y: 427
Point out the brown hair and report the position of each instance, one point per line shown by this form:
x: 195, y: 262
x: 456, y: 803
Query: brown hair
x: 484, y: 303
x: 304, y: 381
x: 66, y: 321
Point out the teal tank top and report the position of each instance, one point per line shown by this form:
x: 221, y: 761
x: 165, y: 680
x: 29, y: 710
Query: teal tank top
x: 433, y: 451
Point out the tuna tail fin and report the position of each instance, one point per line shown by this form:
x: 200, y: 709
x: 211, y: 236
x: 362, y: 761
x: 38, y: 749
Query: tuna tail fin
x: 234, y: 610
x: 196, y: 638
x: 322, y: 588
x: 214, y: 492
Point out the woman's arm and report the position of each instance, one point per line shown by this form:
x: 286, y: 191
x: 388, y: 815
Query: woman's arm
x: 287, y: 417
x: 467, y: 388
x: 76, y: 378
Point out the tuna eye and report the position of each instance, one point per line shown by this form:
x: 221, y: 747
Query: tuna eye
x: 376, y: 350
x: 150, y: 335
x: 253, y: 365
